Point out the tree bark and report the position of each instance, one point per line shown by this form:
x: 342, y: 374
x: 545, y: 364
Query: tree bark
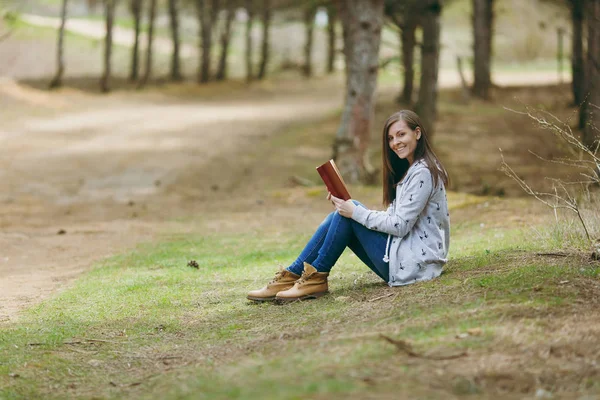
x: 309, y: 25
x: 175, y: 58
x: 149, y: 49
x: 60, y: 61
x: 109, y: 10
x: 577, y: 59
x: 331, y: 38
x: 136, y: 11
x: 408, y: 42
x: 207, y: 14
x: 362, y: 22
x: 591, y: 129
x: 483, y: 15
x: 430, y: 54
x: 225, y: 39
x: 250, y: 12
x: 265, y: 54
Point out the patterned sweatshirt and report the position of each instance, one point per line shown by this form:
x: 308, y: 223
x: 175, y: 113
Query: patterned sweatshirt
x: 418, y: 225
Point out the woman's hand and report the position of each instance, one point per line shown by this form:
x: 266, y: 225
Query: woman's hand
x: 344, y: 207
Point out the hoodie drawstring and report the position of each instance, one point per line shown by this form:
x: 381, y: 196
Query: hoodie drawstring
x: 386, y: 257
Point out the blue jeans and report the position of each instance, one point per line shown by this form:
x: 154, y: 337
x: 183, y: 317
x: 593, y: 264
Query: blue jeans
x: 335, y: 234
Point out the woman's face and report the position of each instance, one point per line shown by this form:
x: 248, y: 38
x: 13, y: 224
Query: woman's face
x: 403, y: 140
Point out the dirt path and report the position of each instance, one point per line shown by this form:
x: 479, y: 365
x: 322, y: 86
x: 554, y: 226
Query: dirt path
x: 105, y: 173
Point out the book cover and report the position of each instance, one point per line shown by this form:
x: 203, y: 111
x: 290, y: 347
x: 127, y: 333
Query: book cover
x: 333, y: 180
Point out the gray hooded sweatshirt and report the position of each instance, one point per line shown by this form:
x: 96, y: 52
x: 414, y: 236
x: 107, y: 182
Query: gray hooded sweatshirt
x: 418, y: 225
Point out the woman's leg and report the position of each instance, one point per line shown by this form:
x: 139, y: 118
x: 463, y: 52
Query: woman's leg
x: 368, y: 245
x: 380, y: 267
x: 311, y: 250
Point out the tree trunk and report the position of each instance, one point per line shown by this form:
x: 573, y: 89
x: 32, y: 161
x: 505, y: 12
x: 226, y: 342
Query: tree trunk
x: 225, y: 39
x: 207, y: 14
x: 309, y: 24
x: 483, y: 15
x: 577, y: 60
x: 591, y: 129
x: 362, y: 23
x: 136, y: 11
x: 408, y: 41
x: 430, y: 54
x: 60, y: 61
x: 250, y: 12
x: 264, y: 54
x: 175, y: 58
x: 109, y: 10
x: 151, y: 18
x: 331, y: 36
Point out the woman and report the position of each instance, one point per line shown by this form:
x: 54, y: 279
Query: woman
x: 405, y: 244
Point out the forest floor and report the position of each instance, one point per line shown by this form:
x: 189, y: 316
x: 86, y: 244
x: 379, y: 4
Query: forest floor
x: 106, y: 199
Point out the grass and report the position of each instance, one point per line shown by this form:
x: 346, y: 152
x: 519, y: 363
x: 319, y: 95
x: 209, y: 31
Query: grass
x: 147, y: 317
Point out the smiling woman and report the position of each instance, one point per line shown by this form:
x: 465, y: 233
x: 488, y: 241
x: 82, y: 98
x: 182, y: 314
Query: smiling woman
x: 407, y: 243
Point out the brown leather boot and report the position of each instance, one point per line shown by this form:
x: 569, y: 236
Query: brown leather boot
x: 283, y: 280
x: 311, y: 285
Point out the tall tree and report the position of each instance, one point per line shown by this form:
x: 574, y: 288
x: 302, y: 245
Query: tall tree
x: 207, y: 14
x: 149, y: 47
x: 249, y: 21
x: 225, y: 40
x: 430, y: 54
x: 362, y: 22
x: 483, y: 15
x: 577, y: 59
x: 175, y: 58
x: 60, y: 61
x: 135, y: 6
x: 265, y: 53
x: 405, y: 16
x: 591, y: 131
x: 109, y: 14
x: 331, y: 37
x: 310, y: 11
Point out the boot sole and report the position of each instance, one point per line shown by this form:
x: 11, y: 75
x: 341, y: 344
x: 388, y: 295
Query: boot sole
x: 312, y: 296
x: 261, y: 299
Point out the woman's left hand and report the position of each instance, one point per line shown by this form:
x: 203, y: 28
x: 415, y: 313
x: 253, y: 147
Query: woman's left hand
x: 344, y: 207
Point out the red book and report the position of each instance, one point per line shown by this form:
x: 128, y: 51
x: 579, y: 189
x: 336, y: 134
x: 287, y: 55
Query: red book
x: 333, y: 180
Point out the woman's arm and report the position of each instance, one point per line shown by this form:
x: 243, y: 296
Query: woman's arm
x: 417, y: 191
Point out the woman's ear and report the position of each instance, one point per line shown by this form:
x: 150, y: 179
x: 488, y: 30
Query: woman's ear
x: 418, y: 132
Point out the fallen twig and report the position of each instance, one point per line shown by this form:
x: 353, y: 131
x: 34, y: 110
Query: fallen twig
x: 552, y: 254
x: 382, y: 297
x: 406, y: 347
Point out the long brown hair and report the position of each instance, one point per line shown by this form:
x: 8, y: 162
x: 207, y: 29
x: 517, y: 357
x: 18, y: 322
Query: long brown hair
x: 394, y: 168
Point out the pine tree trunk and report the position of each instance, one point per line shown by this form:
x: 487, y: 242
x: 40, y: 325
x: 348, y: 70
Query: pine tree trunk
x: 149, y: 49
x: 577, y: 60
x: 109, y: 10
x: 60, y: 61
x: 250, y: 12
x: 331, y: 38
x: 207, y: 14
x: 136, y: 11
x: 430, y: 54
x: 225, y: 39
x: 362, y: 23
x: 264, y: 54
x: 175, y: 58
x: 483, y: 15
x: 591, y: 130
x: 309, y: 24
x: 408, y: 42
